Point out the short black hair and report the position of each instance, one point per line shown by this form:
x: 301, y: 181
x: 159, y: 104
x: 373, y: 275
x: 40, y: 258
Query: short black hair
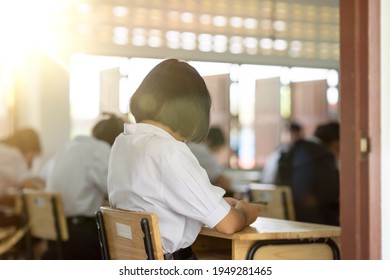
x: 108, y: 129
x: 328, y: 132
x: 174, y: 94
x: 294, y: 127
x: 216, y: 138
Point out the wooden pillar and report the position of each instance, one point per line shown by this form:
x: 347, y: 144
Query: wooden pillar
x: 360, y: 129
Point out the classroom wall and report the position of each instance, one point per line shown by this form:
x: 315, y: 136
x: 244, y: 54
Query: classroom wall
x: 43, y: 102
x: 385, y: 117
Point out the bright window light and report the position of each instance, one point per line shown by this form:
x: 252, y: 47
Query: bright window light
x: 26, y: 24
x: 236, y: 22
x: 280, y: 45
x: 236, y: 48
x: 187, y: 17
x: 266, y: 43
x: 220, y: 21
x: 279, y: 25
x: 332, y: 95
x: 298, y: 74
x: 250, y: 23
x: 120, y: 11
x: 172, y: 35
x: 211, y: 68
x: 333, y: 78
x: 120, y: 35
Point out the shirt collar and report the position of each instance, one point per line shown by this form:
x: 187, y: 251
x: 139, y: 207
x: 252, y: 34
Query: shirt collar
x: 146, y: 129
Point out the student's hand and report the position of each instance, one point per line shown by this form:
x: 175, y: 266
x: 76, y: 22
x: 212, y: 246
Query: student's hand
x: 33, y: 183
x: 240, y: 216
x: 251, y: 211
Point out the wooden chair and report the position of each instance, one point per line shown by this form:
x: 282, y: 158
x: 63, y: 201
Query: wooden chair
x: 128, y: 235
x: 13, y: 227
x: 279, y: 200
x: 46, y: 218
x: 11, y: 209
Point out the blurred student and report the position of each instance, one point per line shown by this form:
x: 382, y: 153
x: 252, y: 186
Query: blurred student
x: 310, y: 168
x: 270, y: 169
x: 152, y: 169
x: 206, y: 152
x: 79, y: 173
x: 17, y: 153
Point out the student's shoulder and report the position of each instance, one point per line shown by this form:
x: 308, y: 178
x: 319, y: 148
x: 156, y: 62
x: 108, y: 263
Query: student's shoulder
x: 8, y: 153
x: 160, y: 145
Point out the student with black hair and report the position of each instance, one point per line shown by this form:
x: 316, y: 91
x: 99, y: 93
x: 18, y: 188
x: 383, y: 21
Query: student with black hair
x: 152, y: 169
x: 270, y: 169
x: 310, y: 168
x: 79, y: 173
x: 17, y: 153
x: 206, y: 151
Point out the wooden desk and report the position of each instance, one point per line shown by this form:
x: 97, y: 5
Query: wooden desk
x: 277, y: 239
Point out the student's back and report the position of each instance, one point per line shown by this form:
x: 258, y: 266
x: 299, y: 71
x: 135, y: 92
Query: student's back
x: 17, y: 153
x: 310, y: 169
x: 79, y: 174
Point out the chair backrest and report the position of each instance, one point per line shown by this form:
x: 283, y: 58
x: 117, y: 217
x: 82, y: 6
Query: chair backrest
x: 129, y: 235
x: 46, y: 218
x: 45, y: 215
x: 11, y: 209
x: 279, y: 198
x: 13, y: 226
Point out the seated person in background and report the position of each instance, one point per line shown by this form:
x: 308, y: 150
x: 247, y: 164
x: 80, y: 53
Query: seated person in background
x: 151, y: 169
x: 329, y: 135
x: 206, y: 152
x: 310, y: 168
x: 17, y: 153
x: 79, y: 173
x: 270, y: 168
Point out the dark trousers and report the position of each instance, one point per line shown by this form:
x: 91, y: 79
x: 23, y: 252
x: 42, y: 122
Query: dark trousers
x: 83, y: 243
x: 182, y: 254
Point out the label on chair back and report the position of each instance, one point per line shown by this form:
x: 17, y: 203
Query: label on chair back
x: 124, y: 231
x: 39, y: 202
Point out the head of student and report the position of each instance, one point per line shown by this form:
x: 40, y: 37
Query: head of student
x: 329, y: 134
x: 27, y: 141
x: 216, y: 138
x: 108, y: 128
x: 174, y: 94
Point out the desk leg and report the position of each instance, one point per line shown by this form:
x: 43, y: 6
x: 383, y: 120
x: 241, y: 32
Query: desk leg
x: 298, y: 249
x: 240, y: 248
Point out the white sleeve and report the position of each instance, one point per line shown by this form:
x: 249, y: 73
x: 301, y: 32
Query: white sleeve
x: 188, y: 190
x: 16, y: 169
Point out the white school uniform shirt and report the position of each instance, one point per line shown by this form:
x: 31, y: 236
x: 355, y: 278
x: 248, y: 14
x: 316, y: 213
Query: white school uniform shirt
x: 79, y: 173
x: 207, y: 160
x: 151, y: 171
x: 13, y: 168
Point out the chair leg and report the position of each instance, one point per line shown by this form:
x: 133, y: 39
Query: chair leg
x: 28, y: 238
x: 102, y: 235
x: 58, y: 230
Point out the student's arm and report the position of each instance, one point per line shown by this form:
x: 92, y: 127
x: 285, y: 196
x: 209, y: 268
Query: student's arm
x: 240, y: 216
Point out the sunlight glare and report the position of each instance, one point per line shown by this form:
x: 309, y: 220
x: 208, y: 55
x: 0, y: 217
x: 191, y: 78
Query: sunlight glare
x: 26, y: 24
